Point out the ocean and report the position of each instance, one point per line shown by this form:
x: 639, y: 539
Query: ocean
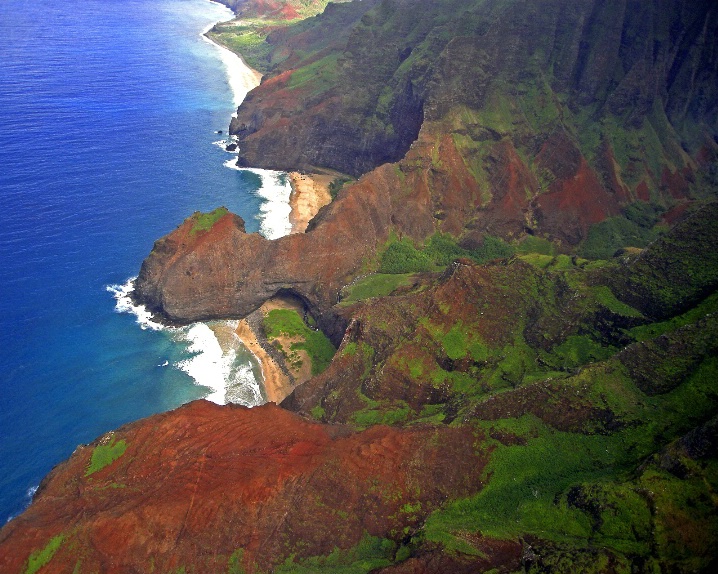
x: 109, y: 119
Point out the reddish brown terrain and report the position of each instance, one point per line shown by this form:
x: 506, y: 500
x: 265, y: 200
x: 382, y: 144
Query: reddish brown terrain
x: 466, y: 134
x: 538, y: 412
x: 200, y: 483
x: 502, y: 406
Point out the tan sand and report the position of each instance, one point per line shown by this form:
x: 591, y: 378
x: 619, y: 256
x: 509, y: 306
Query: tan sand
x: 310, y: 192
x: 276, y: 384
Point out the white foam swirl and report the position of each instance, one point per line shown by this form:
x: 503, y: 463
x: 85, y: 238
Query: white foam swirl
x: 275, y: 190
x: 217, y: 359
x: 124, y: 304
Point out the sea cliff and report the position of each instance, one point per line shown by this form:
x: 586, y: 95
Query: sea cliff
x: 472, y: 119
x: 516, y: 416
x: 520, y: 286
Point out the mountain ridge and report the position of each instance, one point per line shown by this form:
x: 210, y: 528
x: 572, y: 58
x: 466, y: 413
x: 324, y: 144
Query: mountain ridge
x: 521, y: 286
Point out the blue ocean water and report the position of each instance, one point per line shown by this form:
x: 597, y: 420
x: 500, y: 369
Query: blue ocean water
x: 108, y: 114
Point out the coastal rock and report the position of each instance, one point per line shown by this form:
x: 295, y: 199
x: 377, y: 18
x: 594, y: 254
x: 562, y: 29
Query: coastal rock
x: 554, y: 152
x: 457, y: 134
x: 204, y: 487
x: 225, y: 272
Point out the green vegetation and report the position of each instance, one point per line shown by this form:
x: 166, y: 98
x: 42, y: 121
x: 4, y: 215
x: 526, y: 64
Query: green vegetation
x: 40, y: 558
x: 651, y: 330
x: 376, y: 285
x: 337, y: 185
x: 533, y: 244
x: 533, y: 486
x: 400, y: 256
x: 205, y: 221
x: 380, y: 414
x: 319, y: 76
x: 105, y: 454
x: 579, y: 350
x: 318, y: 412
x: 371, y: 553
x: 605, y: 297
x: 287, y: 322
x: 607, y: 237
x: 350, y: 349
x: 234, y: 564
x: 248, y: 40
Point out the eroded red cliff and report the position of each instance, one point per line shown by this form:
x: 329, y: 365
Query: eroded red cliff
x: 203, y: 483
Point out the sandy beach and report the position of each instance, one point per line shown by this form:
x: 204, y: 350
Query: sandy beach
x: 276, y: 383
x: 241, y: 78
x: 310, y: 192
x: 279, y: 378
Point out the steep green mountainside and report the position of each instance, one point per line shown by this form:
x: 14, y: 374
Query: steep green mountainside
x: 534, y: 414
x: 277, y: 9
x: 599, y: 416
x: 555, y: 107
x: 521, y: 288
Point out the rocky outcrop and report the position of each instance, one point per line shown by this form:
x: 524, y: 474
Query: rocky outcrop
x: 276, y: 9
x: 357, y: 96
x: 483, y: 139
x: 225, y: 272
x: 676, y: 271
x: 205, y: 487
x: 504, y: 406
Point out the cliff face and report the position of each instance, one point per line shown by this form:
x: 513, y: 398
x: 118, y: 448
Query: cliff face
x: 225, y: 272
x: 593, y: 104
x: 276, y: 9
x: 447, y: 344
x: 206, y: 487
x: 552, y: 120
x: 540, y: 413
x: 521, y: 416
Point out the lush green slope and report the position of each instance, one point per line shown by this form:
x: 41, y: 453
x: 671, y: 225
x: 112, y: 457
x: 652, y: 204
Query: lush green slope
x: 598, y: 419
x: 561, y: 113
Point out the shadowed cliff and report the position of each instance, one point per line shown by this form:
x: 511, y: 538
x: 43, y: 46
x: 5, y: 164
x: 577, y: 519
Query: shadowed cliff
x: 582, y: 123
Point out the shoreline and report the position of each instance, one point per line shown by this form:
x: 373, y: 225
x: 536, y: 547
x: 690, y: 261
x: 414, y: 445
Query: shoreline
x: 310, y: 192
x: 275, y: 383
x: 240, y: 76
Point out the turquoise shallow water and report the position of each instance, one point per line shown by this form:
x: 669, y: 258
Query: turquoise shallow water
x: 108, y: 114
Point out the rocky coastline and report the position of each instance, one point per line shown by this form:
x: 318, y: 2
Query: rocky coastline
x: 501, y: 398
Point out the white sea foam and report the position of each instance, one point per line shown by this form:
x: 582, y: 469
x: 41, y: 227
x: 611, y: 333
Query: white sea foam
x: 230, y: 139
x: 274, y: 211
x: 217, y: 364
x: 29, y: 495
x: 216, y: 359
x: 243, y: 387
x: 209, y: 366
x: 124, y: 304
x: 240, y: 76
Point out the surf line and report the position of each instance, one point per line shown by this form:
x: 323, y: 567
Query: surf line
x: 215, y: 357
